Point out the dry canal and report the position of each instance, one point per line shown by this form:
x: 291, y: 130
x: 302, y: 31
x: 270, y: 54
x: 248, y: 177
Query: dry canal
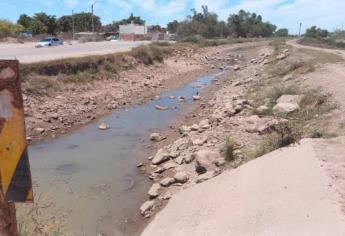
x: 88, y: 181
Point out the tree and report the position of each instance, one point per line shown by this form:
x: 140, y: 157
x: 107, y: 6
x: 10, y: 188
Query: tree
x: 172, y: 27
x: 37, y: 27
x: 282, y: 32
x: 48, y: 21
x: 203, y: 23
x: 315, y: 32
x: 82, y: 22
x: 24, y: 20
x: 7, y: 29
x: 246, y: 24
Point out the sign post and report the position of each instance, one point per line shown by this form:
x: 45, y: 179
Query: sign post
x: 15, y: 177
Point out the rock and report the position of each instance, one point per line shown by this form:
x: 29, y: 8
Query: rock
x: 199, y: 141
x: 266, y: 61
x: 205, y: 160
x: 206, y: 176
x: 154, y: 190
x: 169, y: 165
x: 159, y: 170
x: 167, y: 181
x: 139, y: 165
x: 238, y: 83
x: 162, y: 108
x: 204, y: 124
x: 181, y: 177
x: 196, y: 97
x: 236, y: 68
x: 180, y: 160
x: 285, y: 108
x: 181, y: 98
x: 290, y: 99
x: 189, y: 158
x: 184, y: 129
x: 281, y: 56
x: 255, y: 124
x: 194, y: 127
x: 238, y: 155
x: 166, y: 196
x: 261, y: 110
x: 160, y: 157
x: 39, y: 130
x: 103, y: 126
x: 180, y: 144
x: 147, y: 207
x: 156, y: 137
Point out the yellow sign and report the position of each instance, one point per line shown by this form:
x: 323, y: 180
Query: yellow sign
x: 15, y: 177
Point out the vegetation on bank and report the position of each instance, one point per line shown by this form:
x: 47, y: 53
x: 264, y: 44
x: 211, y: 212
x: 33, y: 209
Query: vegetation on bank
x: 206, y: 24
x: 318, y: 37
x: 45, y: 78
x: 307, y: 122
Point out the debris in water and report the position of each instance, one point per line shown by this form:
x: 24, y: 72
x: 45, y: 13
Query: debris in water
x: 103, y: 126
x: 161, y: 107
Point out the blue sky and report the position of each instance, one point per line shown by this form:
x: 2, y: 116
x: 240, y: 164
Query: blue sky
x: 328, y: 14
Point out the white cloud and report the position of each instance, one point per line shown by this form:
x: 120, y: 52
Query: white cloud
x: 123, y: 5
x: 152, y: 7
x: 71, y: 3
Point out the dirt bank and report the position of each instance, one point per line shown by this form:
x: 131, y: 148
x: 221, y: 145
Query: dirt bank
x: 54, y: 106
x: 265, y: 105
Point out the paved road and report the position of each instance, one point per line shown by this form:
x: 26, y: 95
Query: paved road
x: 285, y: 192
x: 27, y: 53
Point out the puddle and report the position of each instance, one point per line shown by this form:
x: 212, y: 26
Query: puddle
x: 90, y: 177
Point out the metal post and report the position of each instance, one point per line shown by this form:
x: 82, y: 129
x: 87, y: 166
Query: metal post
x: 73, y: 24
x: 300, y: 27
x: 93, y: 26
x: 15, y: 176
x: 8, y: 221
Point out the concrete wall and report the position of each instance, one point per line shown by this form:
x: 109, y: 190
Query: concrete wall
x: 133, y: 29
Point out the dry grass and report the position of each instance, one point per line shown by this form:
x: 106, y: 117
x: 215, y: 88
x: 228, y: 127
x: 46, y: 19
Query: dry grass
x: 41, y: 86
x: 229, y: 148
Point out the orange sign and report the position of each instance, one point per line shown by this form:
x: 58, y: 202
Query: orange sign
x: 15, y: 177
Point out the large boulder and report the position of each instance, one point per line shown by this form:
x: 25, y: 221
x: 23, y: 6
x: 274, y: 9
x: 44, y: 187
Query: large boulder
x: 160, y: 157
x: 181, y: 177
x: 167, y: 181
x: 157, y: 137
x: 286, y: 98
x: 154, y: 190
x: 206, y: 160
x: 285, y: 108
x: 146, y: 207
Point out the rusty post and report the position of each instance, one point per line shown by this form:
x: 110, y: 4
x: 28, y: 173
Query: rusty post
x: 8, y: 222
x: 15, y: 177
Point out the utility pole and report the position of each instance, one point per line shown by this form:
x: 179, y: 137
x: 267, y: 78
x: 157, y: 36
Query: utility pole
x: 300, y: 27
x: 73, y: 24
x: 92, y: 20
x: 93, y: 25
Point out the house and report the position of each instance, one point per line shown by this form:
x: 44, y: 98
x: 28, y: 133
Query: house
x: 132, y: 32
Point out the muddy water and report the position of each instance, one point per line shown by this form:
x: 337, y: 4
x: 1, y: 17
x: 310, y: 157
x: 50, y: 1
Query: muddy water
x: 88, y: 182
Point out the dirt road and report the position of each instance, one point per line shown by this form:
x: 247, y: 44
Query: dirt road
x: 27, y: 53
x: 283, y: 193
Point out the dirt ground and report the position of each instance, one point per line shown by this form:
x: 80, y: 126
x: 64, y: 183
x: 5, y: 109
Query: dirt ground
x: 233, y: 121
x: 310, y: 74
x: 77, y: 104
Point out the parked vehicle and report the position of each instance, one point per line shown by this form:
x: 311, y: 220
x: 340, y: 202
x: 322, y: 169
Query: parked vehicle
x: 49, y: 41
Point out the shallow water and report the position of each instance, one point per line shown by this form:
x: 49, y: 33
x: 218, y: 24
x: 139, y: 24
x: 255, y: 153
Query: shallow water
x: 89, y: 180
